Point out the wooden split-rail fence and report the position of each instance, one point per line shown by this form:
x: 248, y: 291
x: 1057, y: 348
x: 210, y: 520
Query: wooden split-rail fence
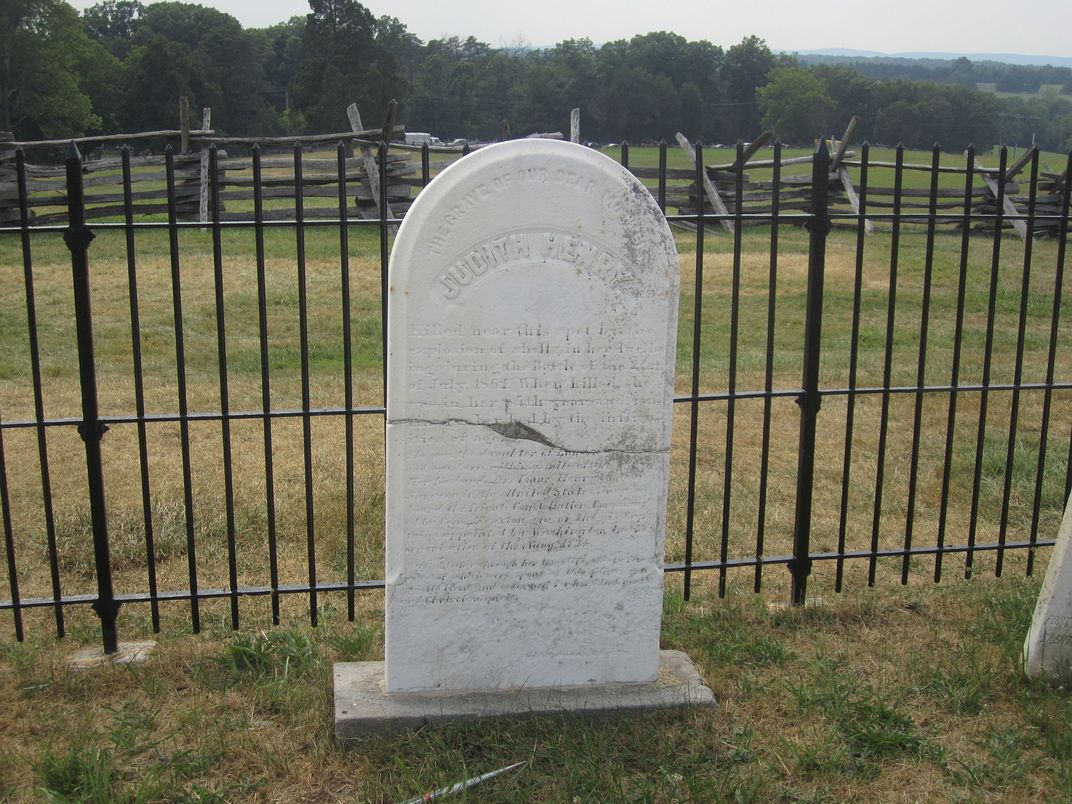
x: 195, y: 184
x: 723, y: 184
x: 193, y: 179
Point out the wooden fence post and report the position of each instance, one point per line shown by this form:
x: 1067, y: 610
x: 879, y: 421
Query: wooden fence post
x: 202, y: 207
x: 9, y: 193
x: 709, y: 186
x: 184, y: 125
x: 841, y: 147
x: 389, y: 122
x: 1007, y: 205
x: 836, y: 168
x: 371, y: 168
x: 750, y: 151
x: 854, y: 199
x: 1019, y: 164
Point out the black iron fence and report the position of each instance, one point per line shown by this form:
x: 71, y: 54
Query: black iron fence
x: 232, y: 386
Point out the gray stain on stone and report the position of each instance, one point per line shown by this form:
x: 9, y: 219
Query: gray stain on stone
x: 517, y: 430
x: 523, y: 431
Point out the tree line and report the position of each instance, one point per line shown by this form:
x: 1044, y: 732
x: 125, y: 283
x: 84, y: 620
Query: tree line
x: 961, y: 71
x: 121, y: 65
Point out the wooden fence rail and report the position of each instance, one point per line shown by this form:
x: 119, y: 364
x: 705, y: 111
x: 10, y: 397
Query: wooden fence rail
x: 46, y: 188
x: 795, y: 191
x: 105, y: 194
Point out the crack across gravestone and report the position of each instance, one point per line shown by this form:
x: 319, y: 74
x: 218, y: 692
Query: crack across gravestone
x: 521, y: 431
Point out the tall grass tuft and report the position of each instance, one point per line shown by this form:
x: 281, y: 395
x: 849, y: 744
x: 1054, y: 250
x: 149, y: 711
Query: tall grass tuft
x: 284, y: 654
x: 86, y: 775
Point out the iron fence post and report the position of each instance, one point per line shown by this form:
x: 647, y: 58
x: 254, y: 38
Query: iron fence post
x: 78, y: 237
x: 809, y: 399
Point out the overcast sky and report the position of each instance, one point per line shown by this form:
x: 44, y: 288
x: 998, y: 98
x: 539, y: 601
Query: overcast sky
x: 1035, y: 27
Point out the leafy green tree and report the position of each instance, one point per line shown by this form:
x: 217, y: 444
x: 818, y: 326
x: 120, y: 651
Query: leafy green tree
x: 431, y: 107
x: 662, y: 53
x: 972, y: 117
x: 1060, y: 133
x: 852, y: 94
x: 644, y: 105
x: 126, y: 64
x: 493, y: 78
x: 342, y: 63
x: 157, y: 73
x: 186, y: 23
x: 705, y: 64
x: 919, y: 114
x: 575, y: 72
x: 43, y: 50
x: 1045, y: 118
x: 101, y: 75
x: 672, y: 63
x: 900, y: 123
x: 393, y: 37
x: 552, y: 82
x: 744, y: 70
x: 464, y: 88
x: 114, y: 23
x: 794, y: 104
x: 222, y: 67
x: 280, y: 52
x: 693, y: 119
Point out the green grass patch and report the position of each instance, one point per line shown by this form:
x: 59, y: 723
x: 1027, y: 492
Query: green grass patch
x: 913, y: 691
x: 281, y: 655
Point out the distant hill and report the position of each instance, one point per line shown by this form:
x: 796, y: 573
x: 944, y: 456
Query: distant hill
x: 828, y: 55
x: 1013, y: 74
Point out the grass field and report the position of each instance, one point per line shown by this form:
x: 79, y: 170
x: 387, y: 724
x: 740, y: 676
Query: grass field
x: 890, y: 695
x: 817, y: 704
x: 116, y: 391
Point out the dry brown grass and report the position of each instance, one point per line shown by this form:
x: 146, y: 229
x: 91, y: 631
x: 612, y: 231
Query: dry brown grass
x: 904, y: 695
x: 909, y: 694
x: 115, y: 367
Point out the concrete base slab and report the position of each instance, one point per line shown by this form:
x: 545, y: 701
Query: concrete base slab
x: 128, y: 653
x: 363, y: 707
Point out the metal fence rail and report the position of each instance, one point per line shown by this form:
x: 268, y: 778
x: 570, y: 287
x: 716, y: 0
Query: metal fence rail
x: 724, y: 400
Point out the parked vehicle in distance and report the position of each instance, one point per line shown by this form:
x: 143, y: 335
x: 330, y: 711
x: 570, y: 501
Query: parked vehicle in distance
x: 421, y: 138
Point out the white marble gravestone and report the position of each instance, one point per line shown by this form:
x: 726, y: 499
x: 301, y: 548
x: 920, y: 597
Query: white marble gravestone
x: 1048, y: 647
x: 531, y: 338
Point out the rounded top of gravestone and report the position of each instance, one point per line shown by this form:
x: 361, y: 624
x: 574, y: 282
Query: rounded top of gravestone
x: 539, y: 235
x: 534, y: 186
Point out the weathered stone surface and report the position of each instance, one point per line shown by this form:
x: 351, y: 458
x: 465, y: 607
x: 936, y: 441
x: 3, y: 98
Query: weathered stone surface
x: 1048, y: 647
x: 531, y: 335
x: 363, y: 707
x: 92, y: 658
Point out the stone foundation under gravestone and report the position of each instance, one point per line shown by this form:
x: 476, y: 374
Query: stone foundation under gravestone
x: 531, y: 347
x: 364, y: 708
x: 1048, y: 647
